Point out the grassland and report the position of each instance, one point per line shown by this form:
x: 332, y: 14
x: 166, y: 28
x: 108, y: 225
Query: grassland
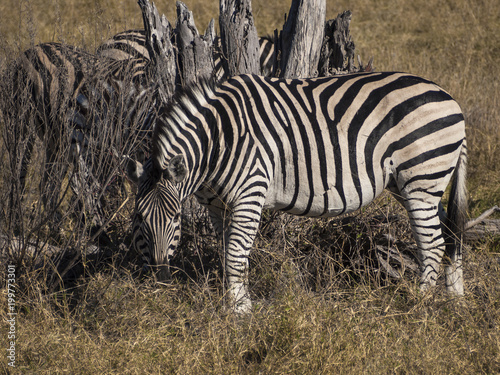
x: 313, y: 313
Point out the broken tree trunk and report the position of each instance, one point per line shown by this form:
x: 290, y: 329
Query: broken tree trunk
x: 161, y: 51
x: 240, y: 43
x: 195, y: 51
x: 299, y: 43
x: 337, y: 52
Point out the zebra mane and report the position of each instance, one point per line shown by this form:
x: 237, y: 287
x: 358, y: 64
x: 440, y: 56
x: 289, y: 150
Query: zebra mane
x: 173, y: 115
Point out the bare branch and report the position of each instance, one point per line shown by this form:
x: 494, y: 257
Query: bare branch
x: 481, y: 217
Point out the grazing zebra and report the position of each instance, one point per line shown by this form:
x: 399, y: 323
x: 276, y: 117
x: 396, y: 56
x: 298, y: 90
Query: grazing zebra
x: 129, y: 44
x: 314, y: 147
x: 132, y: 44
x: 69, y: 98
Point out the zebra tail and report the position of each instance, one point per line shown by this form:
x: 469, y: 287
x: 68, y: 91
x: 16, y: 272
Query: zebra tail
x: 457, y: 205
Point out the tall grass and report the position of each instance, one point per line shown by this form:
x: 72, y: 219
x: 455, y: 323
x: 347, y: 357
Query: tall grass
x: 322, y: 303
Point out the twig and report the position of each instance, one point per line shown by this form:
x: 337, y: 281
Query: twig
x: 481, y: 217
x: 109, y: 220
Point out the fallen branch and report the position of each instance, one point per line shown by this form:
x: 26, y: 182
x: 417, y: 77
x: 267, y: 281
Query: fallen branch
x: 480, y: 228
x: 36, y: 248
x: 482, y: 217
x: 16, y: 245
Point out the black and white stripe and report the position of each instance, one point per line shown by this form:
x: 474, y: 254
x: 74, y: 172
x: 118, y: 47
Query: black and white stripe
x: 267, y: 55
x: 77, y: 101
x: 129, y: 44
x: 313, y: 147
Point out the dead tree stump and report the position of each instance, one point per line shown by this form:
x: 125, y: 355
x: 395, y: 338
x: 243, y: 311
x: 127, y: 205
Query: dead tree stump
x: 240, y: 43
x: 337, y: 52
x: 160, y: 48
x: 195, y: 51
x: 299, y: 43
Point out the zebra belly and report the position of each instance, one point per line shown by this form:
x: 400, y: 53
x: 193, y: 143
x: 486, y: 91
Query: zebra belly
x: 320, y: 202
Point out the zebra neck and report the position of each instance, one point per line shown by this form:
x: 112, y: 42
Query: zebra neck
x: 194, y: 139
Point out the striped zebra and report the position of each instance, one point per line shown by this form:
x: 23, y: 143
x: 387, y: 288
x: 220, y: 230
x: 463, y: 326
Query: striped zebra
x: 315, y: 147
x: 69, y: 100
x: 131, y: 44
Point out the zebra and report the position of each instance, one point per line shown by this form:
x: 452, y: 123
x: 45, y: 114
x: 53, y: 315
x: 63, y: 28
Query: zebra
x: 65, y: 95
x: 316, y: 147
x: 126, y: 45
x: 267, y: 55
x: 131, y: 44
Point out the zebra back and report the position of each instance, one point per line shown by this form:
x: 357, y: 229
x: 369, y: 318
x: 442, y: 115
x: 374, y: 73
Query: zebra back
x: 85, y: 106
x: 267, y: 55
x: 131, y: 44
x: 54, y: 76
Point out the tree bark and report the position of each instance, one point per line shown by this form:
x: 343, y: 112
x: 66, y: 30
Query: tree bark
x: 195, y: 51
x: 337, y: 52
x: 159, y: 45
x: 240, y: 43
x: 299, y: 44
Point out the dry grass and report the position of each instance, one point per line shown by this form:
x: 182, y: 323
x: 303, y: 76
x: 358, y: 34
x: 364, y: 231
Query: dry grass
x: 116, y: 324
x: 320, y: 304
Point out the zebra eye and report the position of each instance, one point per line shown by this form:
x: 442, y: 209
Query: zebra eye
x: 177, y: 217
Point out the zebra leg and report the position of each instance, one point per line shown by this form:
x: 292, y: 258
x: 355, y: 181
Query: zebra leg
x: 55, y: 170
x: 455, y: 226
x: 430, y: 227
x: 425, y: 220
x: 239, y: 230
x: 426, y: 227
x: 21, y: 159
x: 88, y: 191
x: 453, y: 270
x: 453, y: 263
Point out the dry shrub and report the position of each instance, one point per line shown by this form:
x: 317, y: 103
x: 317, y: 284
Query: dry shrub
x: 75, y: 207
x: 115, y: 323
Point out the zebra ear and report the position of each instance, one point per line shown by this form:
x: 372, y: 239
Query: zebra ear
x: 177, y: 169
x: 134, y: 169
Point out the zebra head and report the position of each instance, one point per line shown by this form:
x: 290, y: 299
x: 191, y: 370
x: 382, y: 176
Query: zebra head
x: 157, y: 219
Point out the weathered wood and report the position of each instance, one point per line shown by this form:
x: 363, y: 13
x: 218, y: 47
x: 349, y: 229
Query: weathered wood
x: 161, y: 52
x: 394, y: 262
x: 483, y: 230
x: 337, y: 52
x: 299, y: 43
x: 480, y: 228
x: 481, y: 217
x: 239, y: 39
x: 17, y: 248
x: 195, y: 51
